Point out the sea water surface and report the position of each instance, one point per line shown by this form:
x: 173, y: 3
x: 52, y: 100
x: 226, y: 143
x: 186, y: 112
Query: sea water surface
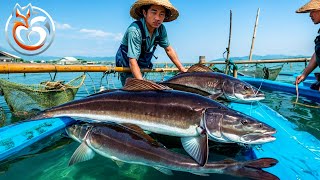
x: 52, y: 162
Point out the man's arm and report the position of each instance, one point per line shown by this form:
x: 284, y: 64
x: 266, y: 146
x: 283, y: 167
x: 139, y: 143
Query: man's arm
x: 174, y: 58
x: 135, y: 69
x: 311, y: 66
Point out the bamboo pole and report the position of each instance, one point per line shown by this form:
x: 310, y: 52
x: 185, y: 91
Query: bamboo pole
x: 254, y: 34
x: 42, y: 68
x: 229, y: 44
x: 294, y: 60
x: 6, y: 68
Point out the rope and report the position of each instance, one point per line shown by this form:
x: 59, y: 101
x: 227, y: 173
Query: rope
x: 110, y: 82
x: 234, y: 66
x: 301, y: 104
x: 85, y: 87
x: 104, y: 74
x: 293, y: 137
x: 265, y: 73
x: 94, y: 87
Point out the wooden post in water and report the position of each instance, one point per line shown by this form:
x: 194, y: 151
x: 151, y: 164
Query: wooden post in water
x: 229, y: 44
x: 254, y: 34
x: 202, y: 59
x: 235, y: 72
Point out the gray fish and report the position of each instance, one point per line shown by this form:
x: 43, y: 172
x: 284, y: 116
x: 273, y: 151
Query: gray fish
x: 157, y: 109
x: 204, y: 80
x: 124, y: 144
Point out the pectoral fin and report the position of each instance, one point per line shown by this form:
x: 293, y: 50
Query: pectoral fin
x: 215, y: 96
x: 164, y: 171
x: 82, y: 153
x: 118, y: 163
x: 197, y: 148
x: 199, y: 174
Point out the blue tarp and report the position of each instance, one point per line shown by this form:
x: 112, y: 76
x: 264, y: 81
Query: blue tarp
x: 298, y: 152
x: 15, y: 137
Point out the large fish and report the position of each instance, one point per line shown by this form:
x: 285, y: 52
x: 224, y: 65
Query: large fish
x: 121, y: 143
x: 202, y: 80
x: 157, y: 109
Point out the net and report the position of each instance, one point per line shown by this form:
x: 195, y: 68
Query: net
x: 25, y: 100
x: 261, y: 71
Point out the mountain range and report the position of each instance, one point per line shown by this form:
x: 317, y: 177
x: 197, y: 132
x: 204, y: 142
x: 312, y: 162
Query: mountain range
x: 258, y: 57
x: 47, y: 58
x: 112, y: 58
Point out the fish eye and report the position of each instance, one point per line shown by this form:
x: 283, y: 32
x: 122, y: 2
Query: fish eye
x: 244, y: 122
x: 260, y: 125
x: 245, y: 87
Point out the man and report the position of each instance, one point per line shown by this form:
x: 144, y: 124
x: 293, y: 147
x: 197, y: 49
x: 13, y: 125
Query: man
x: 142, y: 37
x: 314, y: 8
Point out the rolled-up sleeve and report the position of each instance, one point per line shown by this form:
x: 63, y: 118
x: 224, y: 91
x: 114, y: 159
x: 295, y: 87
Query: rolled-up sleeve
x: 164, y: 41
x: 134, y: 43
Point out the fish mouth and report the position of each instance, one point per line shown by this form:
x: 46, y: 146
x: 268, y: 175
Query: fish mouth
x: 259, y: 94
x: 250, y: 98
x: 257, y: 138
x: 270, y: 132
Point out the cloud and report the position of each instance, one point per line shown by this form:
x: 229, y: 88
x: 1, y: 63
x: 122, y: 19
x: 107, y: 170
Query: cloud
x: 62, y: 26
x: 93, y: 33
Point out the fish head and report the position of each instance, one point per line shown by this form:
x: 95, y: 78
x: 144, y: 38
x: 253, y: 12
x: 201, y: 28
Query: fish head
x: 227, y: 125
x: 240, y: 91
x: 78, y: 131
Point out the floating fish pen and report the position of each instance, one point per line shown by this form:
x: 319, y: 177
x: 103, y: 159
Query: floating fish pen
x: 25, y: 99
x: 259, y: 71
x: 22, y: 143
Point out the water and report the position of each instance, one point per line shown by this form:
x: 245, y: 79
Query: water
x: 52, y: 163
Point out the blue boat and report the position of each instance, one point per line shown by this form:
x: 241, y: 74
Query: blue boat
x: 16, y: 137
x: 310, y: 77
x: 304, y: 90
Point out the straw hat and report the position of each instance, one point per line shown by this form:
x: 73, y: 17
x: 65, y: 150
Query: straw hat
x: 136, y: 12
x: 312, y: 5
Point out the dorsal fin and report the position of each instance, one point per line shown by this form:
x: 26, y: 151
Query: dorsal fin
x: 199, y: 68
x: 133, y: 84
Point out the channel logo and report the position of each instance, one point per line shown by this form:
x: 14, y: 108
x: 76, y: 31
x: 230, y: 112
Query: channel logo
x: 29, y: 30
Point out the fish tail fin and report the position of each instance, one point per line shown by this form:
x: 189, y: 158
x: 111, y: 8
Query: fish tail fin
x: 252, y: 169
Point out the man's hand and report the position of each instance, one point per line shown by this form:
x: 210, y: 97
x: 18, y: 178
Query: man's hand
x: 183, y: 69
x: 300, y: 78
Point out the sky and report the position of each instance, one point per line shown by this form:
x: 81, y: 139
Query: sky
x: 95, y: 27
